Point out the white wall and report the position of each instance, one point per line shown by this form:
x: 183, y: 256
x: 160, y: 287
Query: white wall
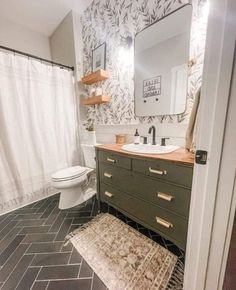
x: 21, y: 38
x: 66, y: 48
x: 66, y: 43
x: 62, y: 42
x: 77, y: 27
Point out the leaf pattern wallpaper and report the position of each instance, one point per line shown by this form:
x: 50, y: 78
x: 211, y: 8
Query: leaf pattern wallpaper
x: 116, y: 22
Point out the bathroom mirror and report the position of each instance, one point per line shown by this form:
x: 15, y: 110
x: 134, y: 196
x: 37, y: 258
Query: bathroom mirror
x: 161, y: 57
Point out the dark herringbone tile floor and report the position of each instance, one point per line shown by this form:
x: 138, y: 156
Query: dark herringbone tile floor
x: 32, y: 251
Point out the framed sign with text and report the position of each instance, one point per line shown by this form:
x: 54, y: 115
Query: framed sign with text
x: 152, y: 87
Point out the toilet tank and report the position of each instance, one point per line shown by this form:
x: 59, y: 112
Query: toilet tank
x: 89, y: 155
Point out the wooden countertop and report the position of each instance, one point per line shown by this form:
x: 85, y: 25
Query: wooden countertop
x: 180, y: 156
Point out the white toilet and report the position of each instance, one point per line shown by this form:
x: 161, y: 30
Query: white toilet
x: 77, y: 184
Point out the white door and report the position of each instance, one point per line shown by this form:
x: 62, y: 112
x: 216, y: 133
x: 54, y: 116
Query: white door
x: 202, y: 269
x: 225, y: 199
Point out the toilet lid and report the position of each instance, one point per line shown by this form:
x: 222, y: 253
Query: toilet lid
x: 69, y: 173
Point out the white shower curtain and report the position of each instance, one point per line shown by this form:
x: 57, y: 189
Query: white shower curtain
x: 38, y: 128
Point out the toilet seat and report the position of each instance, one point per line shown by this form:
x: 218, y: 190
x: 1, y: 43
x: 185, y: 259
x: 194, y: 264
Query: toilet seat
x: 69, y: 173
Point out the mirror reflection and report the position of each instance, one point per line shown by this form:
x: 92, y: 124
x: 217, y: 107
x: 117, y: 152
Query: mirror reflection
x: 161, y: 65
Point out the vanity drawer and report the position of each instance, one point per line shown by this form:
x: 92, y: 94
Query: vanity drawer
x: 164, y: 170
x: 172, y: 226
x: 110, y: 195
x: 114, y: 159
x: 115, y: 176
x: 171, y: 197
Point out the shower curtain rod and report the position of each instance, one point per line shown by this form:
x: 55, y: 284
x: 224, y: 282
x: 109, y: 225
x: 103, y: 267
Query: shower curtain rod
x: 36, y: 57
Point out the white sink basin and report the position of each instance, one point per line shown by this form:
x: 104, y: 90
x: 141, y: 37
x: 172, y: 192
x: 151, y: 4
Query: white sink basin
x: 149, y: 149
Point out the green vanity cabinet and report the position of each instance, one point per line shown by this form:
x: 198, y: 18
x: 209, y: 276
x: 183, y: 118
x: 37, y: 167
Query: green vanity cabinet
x: 155, y: 193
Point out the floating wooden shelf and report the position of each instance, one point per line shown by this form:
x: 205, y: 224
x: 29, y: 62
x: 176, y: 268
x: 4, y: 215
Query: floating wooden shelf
x: 95, y: 77
x: 96, y: 100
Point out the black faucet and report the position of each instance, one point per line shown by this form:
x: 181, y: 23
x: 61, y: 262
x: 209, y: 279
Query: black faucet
x: 152, y: 130
x: 163, y: 141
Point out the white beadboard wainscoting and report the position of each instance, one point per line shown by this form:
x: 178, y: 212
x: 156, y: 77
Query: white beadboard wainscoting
x: 176, y: 132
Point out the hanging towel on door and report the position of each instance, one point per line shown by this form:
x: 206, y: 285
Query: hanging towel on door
x: 191, y: 131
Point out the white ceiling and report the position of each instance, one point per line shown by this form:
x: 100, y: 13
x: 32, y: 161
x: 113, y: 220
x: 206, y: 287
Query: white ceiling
x: 42, y: 16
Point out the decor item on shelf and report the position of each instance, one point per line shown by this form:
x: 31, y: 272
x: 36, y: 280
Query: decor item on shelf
x: 98, y: 92
x: 120, y: 138
x: 90, y: 135
x: 99, y: 57
x: 92, y: 93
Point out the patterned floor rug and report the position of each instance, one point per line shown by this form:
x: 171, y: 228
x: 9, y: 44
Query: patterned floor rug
x: 125, y: 259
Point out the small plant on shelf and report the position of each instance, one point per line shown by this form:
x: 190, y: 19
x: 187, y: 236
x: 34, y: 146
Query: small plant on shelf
x: 89, y: 125
x: 90, y: 136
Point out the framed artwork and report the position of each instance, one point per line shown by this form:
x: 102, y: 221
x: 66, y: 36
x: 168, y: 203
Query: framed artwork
x: 99, y: 57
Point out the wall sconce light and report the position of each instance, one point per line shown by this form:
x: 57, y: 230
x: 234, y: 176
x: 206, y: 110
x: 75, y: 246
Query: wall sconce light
x: 125, y: 54
x: 126, y: 41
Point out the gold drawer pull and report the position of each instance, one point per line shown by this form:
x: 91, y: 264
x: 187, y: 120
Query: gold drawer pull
x: 164, y: 223
x: 165, y: 196
x: 160, y: 172
x: 108, y: 175
x: 111, y: 160
x: 107, y: 193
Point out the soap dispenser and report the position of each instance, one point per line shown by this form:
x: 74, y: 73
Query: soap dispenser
x: 136, y: 137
